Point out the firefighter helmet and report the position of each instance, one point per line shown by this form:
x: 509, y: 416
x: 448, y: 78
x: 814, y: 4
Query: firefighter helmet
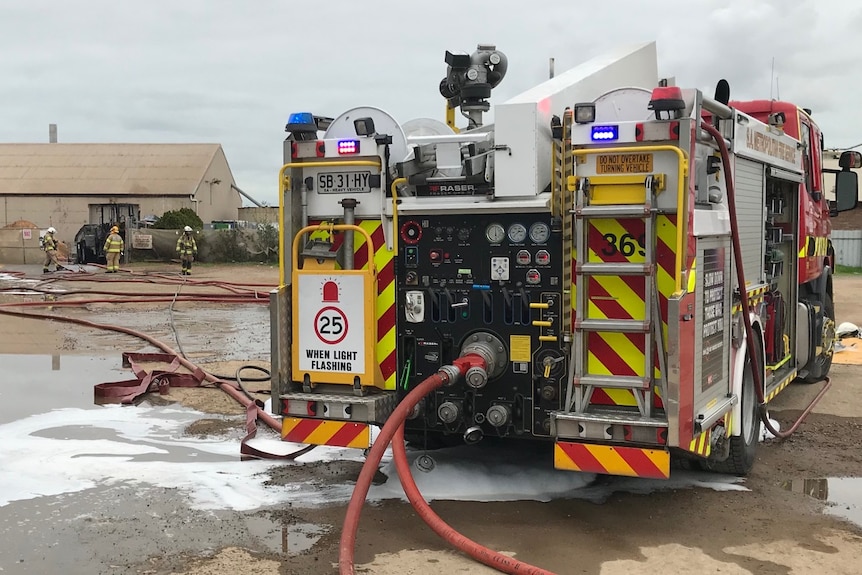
x: 115, y: 230
x: 51, y: 230
x: 187, y: 229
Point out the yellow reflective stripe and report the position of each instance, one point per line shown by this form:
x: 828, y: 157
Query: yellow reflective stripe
x: 692, y: 277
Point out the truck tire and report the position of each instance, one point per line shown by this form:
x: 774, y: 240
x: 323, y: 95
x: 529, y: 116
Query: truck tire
x: 820, y: 365
x: 743, y: 448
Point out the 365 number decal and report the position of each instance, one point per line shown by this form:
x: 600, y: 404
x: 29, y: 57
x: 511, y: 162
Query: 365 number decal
x: 625, y: 244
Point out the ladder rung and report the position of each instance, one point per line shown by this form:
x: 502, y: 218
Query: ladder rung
x: 615, y: 381
x: 614, y: 269
x: 614, y: 325
x: 617, y: 211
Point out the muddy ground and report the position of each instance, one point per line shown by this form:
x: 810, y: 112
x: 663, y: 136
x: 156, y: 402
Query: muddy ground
x: 778, y: 526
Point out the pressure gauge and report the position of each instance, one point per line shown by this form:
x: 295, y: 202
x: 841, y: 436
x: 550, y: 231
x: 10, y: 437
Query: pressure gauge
x: 517, y: 233
x: 540, y: 233
x: 495, y: 233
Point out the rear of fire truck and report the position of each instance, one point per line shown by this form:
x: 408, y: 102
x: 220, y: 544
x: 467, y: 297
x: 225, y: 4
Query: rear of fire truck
x: 581, y: 252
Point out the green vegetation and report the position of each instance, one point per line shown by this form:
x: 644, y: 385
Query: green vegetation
x: 839, y: 269
x: 178, y: 219
x: 266, y: 242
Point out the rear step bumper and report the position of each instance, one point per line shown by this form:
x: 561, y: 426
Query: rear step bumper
x: 612, y: 460
x: 326, y: 432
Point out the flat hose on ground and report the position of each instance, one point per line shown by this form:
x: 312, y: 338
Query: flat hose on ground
x: 743, y: 294
x: 234, y: 392
x: 489, y: 557
x: 394, y: 428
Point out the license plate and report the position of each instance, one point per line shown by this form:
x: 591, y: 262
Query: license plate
x: 623, y: 163
x: 344, y: 182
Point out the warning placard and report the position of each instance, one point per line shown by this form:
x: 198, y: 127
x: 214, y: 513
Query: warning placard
x: 331, y: 323
x: 142, y: 241
x: 623, y: 163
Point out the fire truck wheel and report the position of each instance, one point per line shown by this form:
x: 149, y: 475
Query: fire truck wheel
x: 743, y: 448
x: 821, y: 364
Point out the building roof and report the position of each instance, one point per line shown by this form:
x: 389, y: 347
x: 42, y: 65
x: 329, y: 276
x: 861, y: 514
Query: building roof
x: 104, y: 169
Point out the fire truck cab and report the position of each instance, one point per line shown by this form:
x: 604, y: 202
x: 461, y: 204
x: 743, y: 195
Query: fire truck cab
x: 641, y: 270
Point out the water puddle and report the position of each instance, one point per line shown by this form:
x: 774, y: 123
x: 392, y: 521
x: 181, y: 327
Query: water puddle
x: 31, y: 384
x: 206, y: 334
x: 842, y: 495
x: 285, y: 536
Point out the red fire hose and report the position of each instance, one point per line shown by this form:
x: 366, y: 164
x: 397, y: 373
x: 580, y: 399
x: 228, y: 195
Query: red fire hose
x: 498, y: 561
x: 743, y: 293
x: 394, y: 428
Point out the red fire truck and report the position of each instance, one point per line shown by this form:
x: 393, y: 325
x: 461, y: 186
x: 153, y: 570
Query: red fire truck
x: 625, y: 273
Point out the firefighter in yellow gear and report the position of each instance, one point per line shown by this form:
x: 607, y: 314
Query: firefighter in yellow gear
x: 49, y: 244
x: 187, y: 249
x: 114, y: 246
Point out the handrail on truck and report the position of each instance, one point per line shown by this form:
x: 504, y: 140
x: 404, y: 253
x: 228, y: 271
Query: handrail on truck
x: 284, y: 185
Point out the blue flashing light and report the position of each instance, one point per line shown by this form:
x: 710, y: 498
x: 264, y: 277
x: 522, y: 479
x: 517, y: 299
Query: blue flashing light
x: 604, y: 133
x: 301, y: 123
x: 301, y: 118
x: 348, y: 147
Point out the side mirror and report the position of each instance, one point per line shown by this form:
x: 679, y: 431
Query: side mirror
x: 846, y: 190
x: 850, y: 160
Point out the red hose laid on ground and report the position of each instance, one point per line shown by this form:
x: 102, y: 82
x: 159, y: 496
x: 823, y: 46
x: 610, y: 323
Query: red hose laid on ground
x: 394, y: 423
x: 64, y: 293
x: 166, y: 298
x: 233, y: 288
x: 480, y: 553
x: 369, y: 468
x: 743, y: 293
x: 175, y: 278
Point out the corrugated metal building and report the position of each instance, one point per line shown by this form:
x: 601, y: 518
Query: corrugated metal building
x: 69, y: 185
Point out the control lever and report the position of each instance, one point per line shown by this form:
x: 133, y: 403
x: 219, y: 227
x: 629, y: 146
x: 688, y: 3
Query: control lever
x: 526, y: 312
x: 449, y: 297
x: 507, y: 296
x: 549, y: 362
x: 508, y: 306
x: 463, y: 303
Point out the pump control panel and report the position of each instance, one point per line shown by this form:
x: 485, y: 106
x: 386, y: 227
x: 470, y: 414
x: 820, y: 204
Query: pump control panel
x: 494, y: 279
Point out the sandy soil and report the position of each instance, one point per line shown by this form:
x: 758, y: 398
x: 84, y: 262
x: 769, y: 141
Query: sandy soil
x: 769, y: 529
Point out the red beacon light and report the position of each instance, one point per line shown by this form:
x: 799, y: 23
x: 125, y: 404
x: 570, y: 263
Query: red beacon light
x: 667, y: 99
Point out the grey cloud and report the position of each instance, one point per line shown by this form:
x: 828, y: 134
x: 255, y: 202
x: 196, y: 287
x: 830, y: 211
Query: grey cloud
x: 231, y: 71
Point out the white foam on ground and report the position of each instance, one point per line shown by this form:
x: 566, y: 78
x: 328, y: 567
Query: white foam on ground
x: 468, y: 474
x: 50, y: 454
x: 135, y: 445
x: 765, y: 433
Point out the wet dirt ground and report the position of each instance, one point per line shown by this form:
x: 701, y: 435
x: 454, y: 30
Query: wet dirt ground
x: 799, y: 512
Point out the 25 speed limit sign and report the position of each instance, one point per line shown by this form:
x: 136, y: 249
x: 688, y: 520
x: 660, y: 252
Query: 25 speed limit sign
x: 330, y: 325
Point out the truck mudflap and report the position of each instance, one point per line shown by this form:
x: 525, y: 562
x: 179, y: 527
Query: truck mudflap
x: 612, y: 460
x: 326, y: 432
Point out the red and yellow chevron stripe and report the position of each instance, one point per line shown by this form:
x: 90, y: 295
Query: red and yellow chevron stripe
x: 702, y: 444
x: 612, y: 460
x: 755, y: 296
x: 384, y: 260
x: 624, y: 297
x: 326, y: 432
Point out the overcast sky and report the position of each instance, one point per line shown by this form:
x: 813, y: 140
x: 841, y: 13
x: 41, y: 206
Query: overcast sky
x: 230, y: 71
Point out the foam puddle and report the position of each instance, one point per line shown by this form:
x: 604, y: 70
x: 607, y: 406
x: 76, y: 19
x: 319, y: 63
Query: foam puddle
x: 82, y: 446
